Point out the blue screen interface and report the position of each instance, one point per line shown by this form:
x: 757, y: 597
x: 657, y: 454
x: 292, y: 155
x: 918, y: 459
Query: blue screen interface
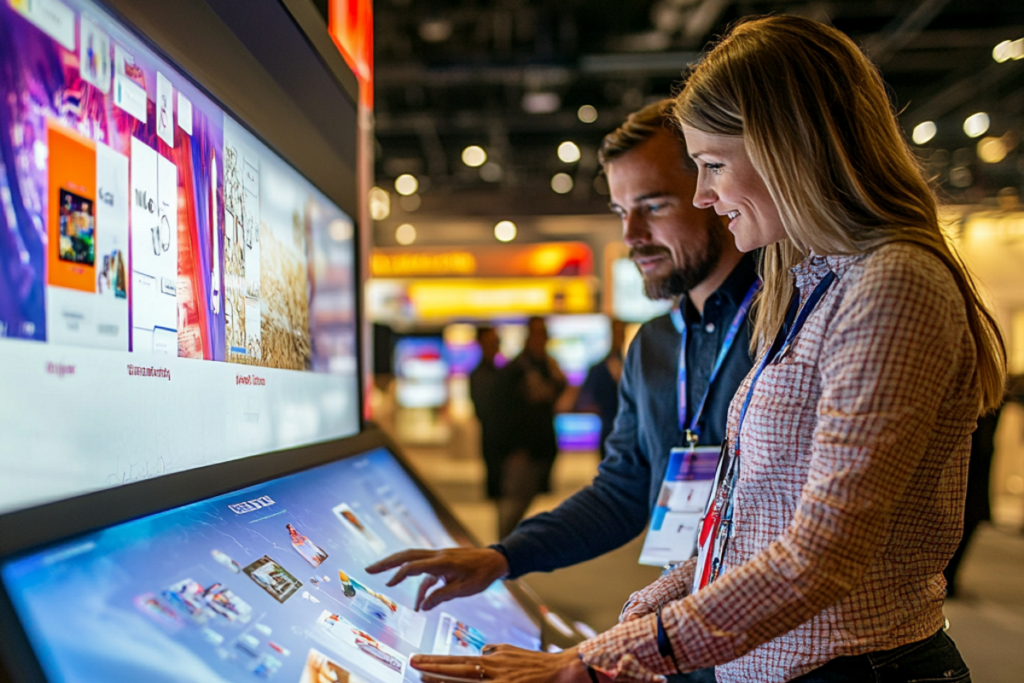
x: 265, y: 583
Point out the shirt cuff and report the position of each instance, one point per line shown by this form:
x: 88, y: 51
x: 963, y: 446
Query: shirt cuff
x: 629, y: 652
x: 514, y: 571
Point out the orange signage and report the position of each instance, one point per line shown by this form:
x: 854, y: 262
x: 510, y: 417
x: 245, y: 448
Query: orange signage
x: 350, y: 23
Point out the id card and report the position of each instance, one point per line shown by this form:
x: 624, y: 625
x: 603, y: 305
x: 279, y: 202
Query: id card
x: 672, y: 534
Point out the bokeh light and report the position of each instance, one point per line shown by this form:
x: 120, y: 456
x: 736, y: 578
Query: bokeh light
x: 406, y: 184
x: 474, y: 156
x: 505, y: 231
x: 569, y: 152
x: 405, y: 234
x: 561, y: 183
x: 923, y: 132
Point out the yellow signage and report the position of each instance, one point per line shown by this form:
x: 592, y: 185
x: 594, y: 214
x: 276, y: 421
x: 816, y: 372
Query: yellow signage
x: 486, y: 298
x: 422, y: 263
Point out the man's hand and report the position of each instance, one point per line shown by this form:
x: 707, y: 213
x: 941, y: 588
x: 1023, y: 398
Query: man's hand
x: 465, y: 571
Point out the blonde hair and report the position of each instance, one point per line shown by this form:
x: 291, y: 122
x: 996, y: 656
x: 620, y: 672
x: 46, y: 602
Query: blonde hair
x: 819, y: 129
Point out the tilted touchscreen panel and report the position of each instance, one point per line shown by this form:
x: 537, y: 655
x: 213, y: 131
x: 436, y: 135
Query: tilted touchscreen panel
x: 173, y: 294
x: 266, y: 583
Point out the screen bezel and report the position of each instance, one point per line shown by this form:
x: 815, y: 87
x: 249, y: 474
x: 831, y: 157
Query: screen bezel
x: 33, y: 530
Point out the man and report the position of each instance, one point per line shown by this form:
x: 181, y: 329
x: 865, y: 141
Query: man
x: 599, y: 393
x: 531, y: 384
x: 681, y: 252
x: 484, y: 390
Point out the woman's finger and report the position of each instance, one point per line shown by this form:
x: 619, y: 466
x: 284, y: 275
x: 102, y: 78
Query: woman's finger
x: 432, y: 660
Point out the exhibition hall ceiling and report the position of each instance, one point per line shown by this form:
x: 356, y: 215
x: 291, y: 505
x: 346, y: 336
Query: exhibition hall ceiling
x: 512, y: 76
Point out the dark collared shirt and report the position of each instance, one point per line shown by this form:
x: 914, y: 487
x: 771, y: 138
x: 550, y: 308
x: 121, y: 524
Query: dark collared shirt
x: 615, y: 507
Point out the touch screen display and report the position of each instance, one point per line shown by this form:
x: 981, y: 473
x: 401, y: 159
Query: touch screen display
x: 172, y: 292
x: 266, y: 583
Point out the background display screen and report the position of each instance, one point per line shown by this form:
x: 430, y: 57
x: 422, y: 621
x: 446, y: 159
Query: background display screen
x: 172, y: 292
x: 265, y: 583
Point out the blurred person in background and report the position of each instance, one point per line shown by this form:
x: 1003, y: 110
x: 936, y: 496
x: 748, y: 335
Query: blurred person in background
x: 486, y: 393
x: 683, y: 253
x: 977, y: 505
x: 599, y: 393
x: 531, y: 385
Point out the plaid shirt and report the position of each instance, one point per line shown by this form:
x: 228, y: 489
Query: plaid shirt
x: 851, y: 485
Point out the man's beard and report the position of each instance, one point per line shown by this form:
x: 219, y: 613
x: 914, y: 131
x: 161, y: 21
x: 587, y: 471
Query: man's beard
x: 697, y: 267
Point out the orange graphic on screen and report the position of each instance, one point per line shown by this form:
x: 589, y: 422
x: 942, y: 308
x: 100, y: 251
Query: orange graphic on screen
x: 71, y: 253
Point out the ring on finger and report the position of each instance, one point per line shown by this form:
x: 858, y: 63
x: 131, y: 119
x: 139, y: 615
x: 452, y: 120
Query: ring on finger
x: 480, y: 672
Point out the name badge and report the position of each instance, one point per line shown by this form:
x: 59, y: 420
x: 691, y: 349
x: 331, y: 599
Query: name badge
x: 672, y: 534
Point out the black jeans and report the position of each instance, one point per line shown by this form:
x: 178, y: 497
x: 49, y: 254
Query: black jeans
x: 932, y: 659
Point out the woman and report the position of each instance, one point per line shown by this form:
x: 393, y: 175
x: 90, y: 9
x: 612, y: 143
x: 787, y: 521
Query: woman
x: 841, y: 492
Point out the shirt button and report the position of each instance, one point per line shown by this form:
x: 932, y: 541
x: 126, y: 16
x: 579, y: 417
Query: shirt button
x: 710, y: 327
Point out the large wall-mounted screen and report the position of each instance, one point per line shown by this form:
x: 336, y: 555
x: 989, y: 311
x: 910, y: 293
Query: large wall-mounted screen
x: 172, y: 292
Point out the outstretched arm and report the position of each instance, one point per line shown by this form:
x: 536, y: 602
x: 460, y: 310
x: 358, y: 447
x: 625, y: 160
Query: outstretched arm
x: 464, y: 572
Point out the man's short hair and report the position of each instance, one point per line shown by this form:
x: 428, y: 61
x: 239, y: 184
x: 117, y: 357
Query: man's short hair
x: 641, y: 126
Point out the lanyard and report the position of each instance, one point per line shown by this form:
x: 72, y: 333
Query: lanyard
x: 693, y: 431
x: 784, y: 339
x: 716, y: 528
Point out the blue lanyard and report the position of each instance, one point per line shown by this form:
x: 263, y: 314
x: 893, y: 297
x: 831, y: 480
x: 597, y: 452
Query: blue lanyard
x: 783, y: 340
x: 693, y: 431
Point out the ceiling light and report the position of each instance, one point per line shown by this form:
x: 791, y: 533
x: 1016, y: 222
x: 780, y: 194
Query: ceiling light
x: 410, y: 203
x: 569, y: 152
x: 960, y: 176
x: 474, y: 156
x: 587, y: 114
x: 406, y: 184
x: 491, y: 172
x: 505, y: 231
x: 976, y: 124
x: 436, y: 31
x: 541, y: 102
x: 991, y: 150
x: 405, y: 234
x: 1001, y: 52
x: 380, y: 204
x: 923, y: 132
x: 1008, y: 49
x: 561, y: 183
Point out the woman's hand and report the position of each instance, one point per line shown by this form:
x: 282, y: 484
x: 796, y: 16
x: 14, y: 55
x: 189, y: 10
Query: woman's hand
x: 506, y: 664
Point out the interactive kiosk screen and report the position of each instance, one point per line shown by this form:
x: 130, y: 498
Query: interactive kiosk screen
x: 173, y: 293
x: 264, y: 583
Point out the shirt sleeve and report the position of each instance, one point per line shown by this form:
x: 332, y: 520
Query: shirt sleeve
x: 890, y: 353
x: 605, y: 515
x: 673, y: 586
